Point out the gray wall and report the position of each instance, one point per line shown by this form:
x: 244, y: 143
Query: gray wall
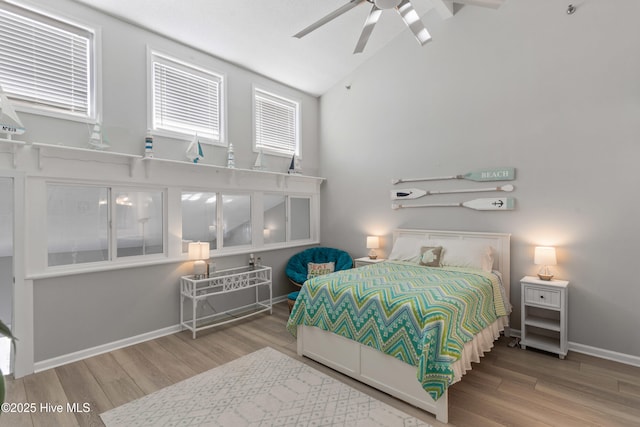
x: 124, y: 102
x: 78, y: 312
x: 556, y: 96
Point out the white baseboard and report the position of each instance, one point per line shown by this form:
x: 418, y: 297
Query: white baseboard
x: 627, y: 359
x: 115, y: 345
x: 104, y: 348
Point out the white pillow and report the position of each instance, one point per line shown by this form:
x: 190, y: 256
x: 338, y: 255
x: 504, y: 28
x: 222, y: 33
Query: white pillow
x: 455, y: 253
x: 407, y: 249
x: 466, y: 253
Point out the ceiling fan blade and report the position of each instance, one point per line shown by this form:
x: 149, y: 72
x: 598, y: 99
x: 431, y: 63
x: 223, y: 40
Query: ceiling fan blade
x: 347, y: 7
x: 371, y: 21
x: 413, y: 21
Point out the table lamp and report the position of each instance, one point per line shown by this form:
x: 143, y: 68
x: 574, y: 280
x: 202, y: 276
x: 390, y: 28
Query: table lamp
x: 545, y: 256
x: 373, y: 243
x: 199, y: 251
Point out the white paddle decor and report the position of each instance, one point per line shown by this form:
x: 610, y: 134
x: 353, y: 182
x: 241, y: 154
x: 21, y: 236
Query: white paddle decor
x: 491, y: 204
x: 415, y: 193
x: 497, y: 174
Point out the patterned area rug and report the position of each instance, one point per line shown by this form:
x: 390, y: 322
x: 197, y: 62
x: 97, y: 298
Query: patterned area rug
x: 264, y: 388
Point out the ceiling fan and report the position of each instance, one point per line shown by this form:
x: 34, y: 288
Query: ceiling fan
x: 404, y: 8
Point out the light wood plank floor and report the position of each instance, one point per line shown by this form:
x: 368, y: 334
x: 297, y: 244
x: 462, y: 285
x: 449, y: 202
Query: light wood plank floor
x: 511, y: 387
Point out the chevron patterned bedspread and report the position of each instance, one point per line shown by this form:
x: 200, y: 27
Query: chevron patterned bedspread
x: 420, y: 315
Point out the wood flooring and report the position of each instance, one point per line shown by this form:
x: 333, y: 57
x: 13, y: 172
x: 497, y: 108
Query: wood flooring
x: 511, y: 387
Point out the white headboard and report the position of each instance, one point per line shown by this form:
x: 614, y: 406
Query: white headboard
x: 500, y: 242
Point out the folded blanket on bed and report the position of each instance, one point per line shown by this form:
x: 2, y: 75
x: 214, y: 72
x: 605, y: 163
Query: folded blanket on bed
x: 420, y: 315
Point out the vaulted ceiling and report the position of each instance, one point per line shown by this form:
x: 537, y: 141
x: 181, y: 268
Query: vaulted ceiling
x: 258, y: 35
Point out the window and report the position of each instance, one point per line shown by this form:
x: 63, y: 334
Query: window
x: 236, y: 216
x: 47, y: 65
x: 185, y: 99
x: 276, y: 123
x: 77, y: 224
x: 199, y: 218
x: 203, y: 211
x: 80, y: 229
x: 300, y: 218
x: 139, y: 223
x: 275, y: 218
x: 286, y: 218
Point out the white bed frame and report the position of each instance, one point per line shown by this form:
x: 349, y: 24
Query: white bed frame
x: 385, y: 372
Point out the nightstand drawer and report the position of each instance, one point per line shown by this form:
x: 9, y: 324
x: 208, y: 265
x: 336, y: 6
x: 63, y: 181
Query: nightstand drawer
x: 543, y: 297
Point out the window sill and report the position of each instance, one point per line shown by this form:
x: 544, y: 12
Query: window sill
x: 22, y: 107
x: 75, y: 269
x: 185, y: 136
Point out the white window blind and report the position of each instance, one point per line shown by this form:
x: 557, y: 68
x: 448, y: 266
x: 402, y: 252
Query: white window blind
x: 186, y: 99
x: 46, y: 63
x: 276, y: 123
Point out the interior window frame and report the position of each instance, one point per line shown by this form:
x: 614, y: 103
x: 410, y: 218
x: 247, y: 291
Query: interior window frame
x: 112, y: 235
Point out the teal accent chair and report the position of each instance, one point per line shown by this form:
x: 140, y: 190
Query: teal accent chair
x: 297, y: 266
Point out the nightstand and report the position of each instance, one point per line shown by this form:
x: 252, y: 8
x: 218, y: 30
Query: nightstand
x: 365, y: 260
x: 544, y: 314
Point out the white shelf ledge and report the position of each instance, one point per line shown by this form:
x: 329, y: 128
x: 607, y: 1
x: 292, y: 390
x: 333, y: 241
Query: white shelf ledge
x: 231, y: 171
x: 85, y: 150
x: 12, y: 141
x: 91, y: 152
x: 56, y: 150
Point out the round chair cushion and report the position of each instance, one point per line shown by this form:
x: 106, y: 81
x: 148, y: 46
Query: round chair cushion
x: 297, y: 266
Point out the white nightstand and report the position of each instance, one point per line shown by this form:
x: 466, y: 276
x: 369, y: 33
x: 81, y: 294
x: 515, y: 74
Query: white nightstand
x: 365, y: 260
x: 544, y: 314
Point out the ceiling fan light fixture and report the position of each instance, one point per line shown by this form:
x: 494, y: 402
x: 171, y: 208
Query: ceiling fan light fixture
x: 386, y: 4
x: 413, y: 21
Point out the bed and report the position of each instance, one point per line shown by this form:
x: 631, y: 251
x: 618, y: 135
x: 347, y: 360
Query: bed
x: 432, y: 321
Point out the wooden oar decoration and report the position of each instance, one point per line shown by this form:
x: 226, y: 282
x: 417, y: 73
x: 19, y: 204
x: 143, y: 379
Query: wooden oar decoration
x: 415, y: 193
x: 489, y: 204
x: 497, y: 174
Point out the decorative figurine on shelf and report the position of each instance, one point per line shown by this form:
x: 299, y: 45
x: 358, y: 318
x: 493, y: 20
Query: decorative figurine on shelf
x: 194, y: 150
x: 97, y: 140
x: 9, y: 121
x: 231, y: 158
x: 259, y: 164
x: 148, y: 144
x: 294, y: 167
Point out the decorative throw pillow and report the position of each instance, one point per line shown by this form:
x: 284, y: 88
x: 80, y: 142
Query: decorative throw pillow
x: 430, y: 256
x: 314, y: 270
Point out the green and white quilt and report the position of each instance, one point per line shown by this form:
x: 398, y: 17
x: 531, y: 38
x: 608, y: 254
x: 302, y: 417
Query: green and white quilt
x: 420, y: 315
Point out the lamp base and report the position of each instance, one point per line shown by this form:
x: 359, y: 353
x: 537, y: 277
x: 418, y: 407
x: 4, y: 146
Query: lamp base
x: 199, y: 270
x: 545, y: 276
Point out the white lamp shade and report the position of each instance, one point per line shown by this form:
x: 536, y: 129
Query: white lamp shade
x: 544, y: 255
x: 199, y: 250
x: 373, y: 242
